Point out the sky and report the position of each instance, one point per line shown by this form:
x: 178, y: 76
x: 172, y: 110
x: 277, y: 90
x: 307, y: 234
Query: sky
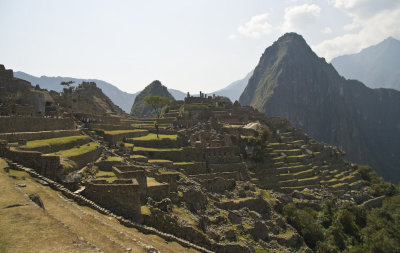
x: 188, y: 45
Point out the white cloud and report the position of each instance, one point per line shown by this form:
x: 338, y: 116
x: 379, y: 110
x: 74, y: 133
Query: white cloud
x: 327, y: 30
x: 365, y: 8
x: 300, y: 17
x: 256, y: 26
x: 368, y: 27
x: 232, y: 36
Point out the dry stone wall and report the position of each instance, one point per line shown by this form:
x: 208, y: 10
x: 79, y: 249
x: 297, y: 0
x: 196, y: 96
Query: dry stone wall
x: 121, y: 196
x: 14, y: 137
x: 33, y: 124
x: 85, y: 158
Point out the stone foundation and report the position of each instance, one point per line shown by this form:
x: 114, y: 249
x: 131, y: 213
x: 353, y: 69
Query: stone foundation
x: 120, y: 196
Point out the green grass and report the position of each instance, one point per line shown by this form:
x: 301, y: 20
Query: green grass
x: 158, y: 161
x: 151, y: 181
x: 54, y: 141
x: 77, y: 151
x: 156, y: 149
x: 152, y: 137
x: 137, y: 156
x: 145, y: 210
x: 183, y: 163
x: 114, y: 159
x: 106, y: 175
x: 115, y: 132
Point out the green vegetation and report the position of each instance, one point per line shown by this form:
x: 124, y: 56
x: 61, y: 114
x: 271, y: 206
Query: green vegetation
x: 114, y: 159
x: 159, y: 161
x: 348, y: 228
x: 157, y: 103
x: 54, y: 141
x: 138, y: 156
x: 156, y: 149
x: 377, y: 184
x: 145, y: 210
x: 153, y: 137
x: 107, y: 175
x: 183, y: 163
x: 115, y: 132
x: 151, y: 181
x: 259, y: 144
x: 78, y: 151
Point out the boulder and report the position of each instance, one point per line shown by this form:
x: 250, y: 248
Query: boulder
x: 37, y: 200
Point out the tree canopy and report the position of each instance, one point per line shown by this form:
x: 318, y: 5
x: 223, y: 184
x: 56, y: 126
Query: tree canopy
x: 157, y: 103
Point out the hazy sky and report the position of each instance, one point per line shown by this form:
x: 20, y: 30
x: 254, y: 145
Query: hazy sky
x: 187, y: 45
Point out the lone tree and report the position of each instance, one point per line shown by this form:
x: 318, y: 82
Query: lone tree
x: 157, y: 103
x: 67, y: 83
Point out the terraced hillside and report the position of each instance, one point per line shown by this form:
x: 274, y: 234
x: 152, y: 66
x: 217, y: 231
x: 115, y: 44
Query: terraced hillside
x: 215, y: 176
x: 294, y: 162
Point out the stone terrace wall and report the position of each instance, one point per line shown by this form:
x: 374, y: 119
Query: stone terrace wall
x: 14, y: 137
x: 109, y: 127
x: 47, y: 165
x: 127, y: 172
x: 85, y: 158
x: 121, y: 196
x: 170, y: 178
x: 33, y: 124
x: 160, y: 143
x: 57, y: 147
x: 218, y: 184
x: 214, y: 154
x: 114, y: 138
x: 226, y: 175
x: 107, y: 165
x: 158, y: 192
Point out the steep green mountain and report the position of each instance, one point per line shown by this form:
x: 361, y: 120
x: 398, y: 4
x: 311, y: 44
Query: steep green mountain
x: 377, y: 66
x: 139, y: 108
x: 292, y: 82
x: 120, y: 98
x: 233, y: 90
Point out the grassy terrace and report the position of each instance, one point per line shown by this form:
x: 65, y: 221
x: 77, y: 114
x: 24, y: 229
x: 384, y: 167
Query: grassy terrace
x: 183, y: 163
x: 152, y: 137
x: 156, y: 149
x: 107, y: 175
x: 159, y: 161
x: 151, y: 181
x: 77, y: 151
x: 114, y: 159
x: 54, y: 141
x: 115, y: 132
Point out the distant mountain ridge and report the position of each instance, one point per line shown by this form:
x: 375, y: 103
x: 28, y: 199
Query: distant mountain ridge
x: 292, y: 82
x: 377, y: 66
x: 123, y: 99
x: 235, y: 89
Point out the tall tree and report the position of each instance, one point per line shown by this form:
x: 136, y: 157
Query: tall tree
x: 157, y: 103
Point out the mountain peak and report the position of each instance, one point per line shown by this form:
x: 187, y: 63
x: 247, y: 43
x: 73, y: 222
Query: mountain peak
x: 155, y: 88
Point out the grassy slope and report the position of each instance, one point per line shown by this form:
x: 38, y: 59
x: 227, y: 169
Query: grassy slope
x: 152, y: 137
x: 59, y: 227
x: 77, y: 151
x: 115, y: 132
x: 53, y: 141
